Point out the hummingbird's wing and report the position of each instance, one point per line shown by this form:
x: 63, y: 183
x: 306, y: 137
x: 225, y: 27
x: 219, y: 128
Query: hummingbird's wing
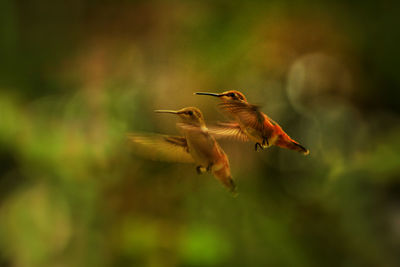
x: 248, y: 114
x: 161, y: 147
x: 228, y: 130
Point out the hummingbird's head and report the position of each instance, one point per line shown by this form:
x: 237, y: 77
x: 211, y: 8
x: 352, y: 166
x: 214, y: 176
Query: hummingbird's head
x: 190, y: 115
x: 226, y: 96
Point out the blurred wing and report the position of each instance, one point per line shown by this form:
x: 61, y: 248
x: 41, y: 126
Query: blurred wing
x: 248, y: 114
x: 229, y: 130
x: 161, y: 147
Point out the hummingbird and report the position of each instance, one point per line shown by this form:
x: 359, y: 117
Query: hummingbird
x: 195, y: 146
x: 250, y: 124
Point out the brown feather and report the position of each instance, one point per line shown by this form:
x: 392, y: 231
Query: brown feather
x: 248, y: 114
x: 228, y: 130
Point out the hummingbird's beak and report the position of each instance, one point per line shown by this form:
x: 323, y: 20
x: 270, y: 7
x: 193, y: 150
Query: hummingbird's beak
x: 166, y: 111
x: 211, y: 94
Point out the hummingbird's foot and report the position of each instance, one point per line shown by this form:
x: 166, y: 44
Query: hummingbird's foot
x: 265, y: 140
x: 209, y: 167
x: 200, y: 169
x: 258, y: 145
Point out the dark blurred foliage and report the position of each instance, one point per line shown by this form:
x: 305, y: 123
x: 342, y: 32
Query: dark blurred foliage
x: 75, y: 76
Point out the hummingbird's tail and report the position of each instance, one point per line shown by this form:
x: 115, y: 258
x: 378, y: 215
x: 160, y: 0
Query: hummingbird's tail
x: 224, y: 176
x: 297, y: 147
x: 230, y: 184
x: 286, y: 142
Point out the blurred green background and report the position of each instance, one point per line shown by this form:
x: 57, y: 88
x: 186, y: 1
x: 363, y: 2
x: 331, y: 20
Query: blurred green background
x: 76, y: 75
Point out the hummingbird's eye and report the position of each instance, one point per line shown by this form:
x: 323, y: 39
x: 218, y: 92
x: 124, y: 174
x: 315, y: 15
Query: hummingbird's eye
x: 231, y: 94
x: 190, y: 113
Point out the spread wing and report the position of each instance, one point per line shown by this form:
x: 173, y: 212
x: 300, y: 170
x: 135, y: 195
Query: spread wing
x: 248, y: 114
x: 161, y: 147
x: 228, y: 130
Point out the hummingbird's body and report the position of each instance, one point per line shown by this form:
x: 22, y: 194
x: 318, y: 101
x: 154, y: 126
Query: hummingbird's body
x: 251, y: 124
x: 208, y: 155
x: 196, y: 145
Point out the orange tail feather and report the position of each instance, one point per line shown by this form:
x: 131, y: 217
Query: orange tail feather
x: 288, y: 143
